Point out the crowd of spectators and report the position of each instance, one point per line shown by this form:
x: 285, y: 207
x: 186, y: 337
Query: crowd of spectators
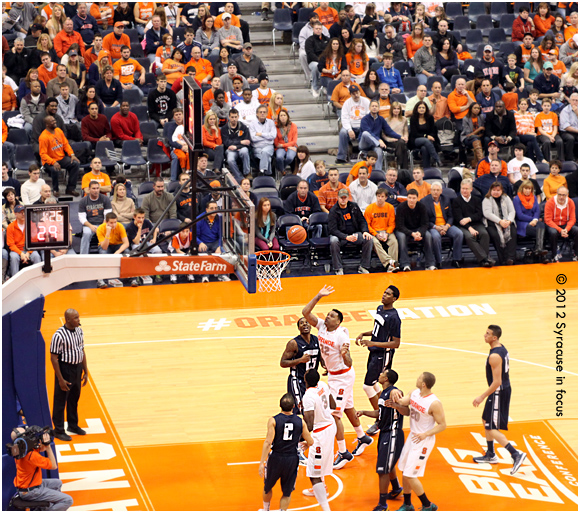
x: 404, y: 85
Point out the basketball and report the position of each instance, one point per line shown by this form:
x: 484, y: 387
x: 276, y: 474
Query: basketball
x: 296, y: 234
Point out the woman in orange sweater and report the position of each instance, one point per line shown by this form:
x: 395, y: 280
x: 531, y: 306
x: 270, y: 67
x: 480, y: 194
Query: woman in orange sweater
x: 286, y: 142
x: 276, y: 106
x: 174, y: 68
x: 415, y: 40
x: 212, y: 140
x: 543, y: 19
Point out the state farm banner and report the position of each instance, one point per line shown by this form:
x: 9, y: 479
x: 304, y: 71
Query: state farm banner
x: 165, y: 264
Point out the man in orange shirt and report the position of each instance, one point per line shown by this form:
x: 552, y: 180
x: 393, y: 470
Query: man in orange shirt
x: 369, y: 163
x: 48, y: 69
x: 440, y: 102
x: 547, y: 124
x: 92, y: 53
x: 54, y: 147
x: 459, y: 101
x: 492, y: 154
x: 235, y: 20
x: 380, y: 218
x: 15, y: 238
x: 9, y: 101
x: 96, y: 175
x: 114, y: 41
x: 125, y: 69
x: 328, y: 193
x: 327, y: 15
x: 559, y: 67
x: 66, y: 37
x: 571, y: 30
x: 420, y: 185
x: 203, y: 68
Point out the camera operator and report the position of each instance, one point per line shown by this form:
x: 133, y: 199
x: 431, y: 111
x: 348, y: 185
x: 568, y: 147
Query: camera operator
x: 29, y: 482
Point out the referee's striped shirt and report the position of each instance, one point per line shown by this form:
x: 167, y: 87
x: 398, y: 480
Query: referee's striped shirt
x: 68, y: 344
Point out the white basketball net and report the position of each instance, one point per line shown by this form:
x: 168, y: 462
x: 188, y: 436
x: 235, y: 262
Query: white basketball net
x: 269, y: 267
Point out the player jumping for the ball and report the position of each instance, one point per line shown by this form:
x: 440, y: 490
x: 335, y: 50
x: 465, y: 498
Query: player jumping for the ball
x: 385, y: 338
x: 334, y: 347
x: 497, y: 400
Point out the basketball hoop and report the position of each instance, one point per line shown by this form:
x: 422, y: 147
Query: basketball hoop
x: 269, y: 267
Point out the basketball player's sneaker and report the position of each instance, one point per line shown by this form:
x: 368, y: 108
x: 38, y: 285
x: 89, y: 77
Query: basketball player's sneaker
x: 373, y: 430
x: 301, y: 458
x: 518, y: 460
x: 362, y: 443
x: 342, y: 459
x: 407, y: 507
x: 486, y: 458
x: 309, y: 492
x: 380, y: 507
x: 393, y: 494
x: 431, y: 507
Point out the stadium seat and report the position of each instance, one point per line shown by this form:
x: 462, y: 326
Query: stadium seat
x: 543, y: 168
x: 450, y: 194
x: 137, y: 51
x: 569, y: 166
x: 9, y: 114
x: 167, y: 226
x: 155, y: 154
x: 149, y: 131
x: 145, y: 188
x: 304, y: 14
x: 282, y: 22
x: 283, y: 224
x: 173, y: 187
x: 462, y: 25
x: 484, y: 24
x: 131, y: 155
x: 263, y: 182
x: 431, y: 80
x: 454, y: 79
x: 134, y: 36
x: 517, y: 6
x: 144, y: 61
x: 404, y: 69
x: 474, y: 10
x: 319, y: 246
x: 479, y: 51
x: 506, y: 22
x: 342, y: 177
x: 110, y: 112
x: 132, y: 96
x: 150, y: 83
x: 178, y: 35
x: 497, y: 10
x: 453, y: 10
x: 79, y: 148
x: 288, y: 185
x: 267, y: 192
x: 377, y: 176
x: 277, y: 206
x: 410, y: 84
x: 399, y: 97
x: 296, y: 28
x: 329, y: 89
x: 433, y: 173
x: 23, y: 158
x: 105, y: 151
x: 506, y: 48
x: 469, y: 68
x: 473, y: 38
x: 141, y: 112
x: 17, y: 136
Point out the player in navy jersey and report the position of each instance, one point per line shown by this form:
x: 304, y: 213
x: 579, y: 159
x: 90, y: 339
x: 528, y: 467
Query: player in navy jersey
x: 283, y: 437
x: 497, y: 400
x: 385, y: 338
x: 302, y: 353
x: 391, y: 439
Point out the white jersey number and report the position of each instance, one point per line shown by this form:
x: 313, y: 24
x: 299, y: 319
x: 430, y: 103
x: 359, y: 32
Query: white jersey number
x: 288, y: 429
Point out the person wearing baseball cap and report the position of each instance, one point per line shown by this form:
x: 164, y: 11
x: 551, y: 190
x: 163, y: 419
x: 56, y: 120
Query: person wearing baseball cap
x: 249, y: 65
x: 483, y: 168
x: 347, y: 225
x: 491, y: 67
x: 547, y: 84
x: 352, y: 112
x: 15, y: 237
x: 229, y: 35
x: 114, y: 41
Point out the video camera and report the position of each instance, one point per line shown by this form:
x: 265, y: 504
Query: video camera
x: 28, y: 439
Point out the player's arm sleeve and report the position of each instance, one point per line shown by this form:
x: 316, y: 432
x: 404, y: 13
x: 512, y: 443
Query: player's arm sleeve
x: 319, y: 323
x: 307, y: 403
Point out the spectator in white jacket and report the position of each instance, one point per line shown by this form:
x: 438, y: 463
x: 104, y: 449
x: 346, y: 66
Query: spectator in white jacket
x: 263, y: 133
x: 362, y: 190
x: 248, y: 107
x: 353, y: 110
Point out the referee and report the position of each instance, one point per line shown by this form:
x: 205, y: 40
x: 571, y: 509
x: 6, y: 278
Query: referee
x: 69, y: 361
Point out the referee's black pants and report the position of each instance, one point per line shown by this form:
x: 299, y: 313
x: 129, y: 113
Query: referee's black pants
x: 72, y: 373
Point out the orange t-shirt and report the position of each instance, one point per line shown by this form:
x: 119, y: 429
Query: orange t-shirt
x: 570, y: 32
x: 559, y: 69
x: 4, y: 132
x: 98, y: 11
x: 328, y: 17
x: 125, y: 70
x: 207, y: 100
x: 355, y: 64
x: 542, y: 26
x: 146, y: 10
x: 384, y: 107
x: 45, y: 75
x: 511, y: 101
x: 28, y: 467
x: 423, y: 190
x: 203, y: 68
x: 546, y: 121
x: 483, y: 168
x: 526, y: 53
x: 53, y: 147
x: 380, y: 218
x: 9, y: 101
x: 353, y: 174
x: 114, y: 45
x: 456, y: 101
x: 412, y: 47
x: 172, y: 70
x: 219, y: 22
x: 103, y: 179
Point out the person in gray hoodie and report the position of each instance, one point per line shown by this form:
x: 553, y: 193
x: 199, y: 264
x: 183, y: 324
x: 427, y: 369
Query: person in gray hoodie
x: 32, y: 105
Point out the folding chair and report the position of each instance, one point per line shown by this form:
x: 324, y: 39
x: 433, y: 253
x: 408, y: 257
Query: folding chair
x: 304, y: 14
x: 497, y: 37
x: 155, y: 155
x: 141, y: 112
x: 282, y: 22
x: 484, y: 24
x: 474, y: 10
x: 473, y: 39
x: 453, y: 10
x: 296, y: 28
x: 131, y: 155
x: 462, y: 25
x: 105, y: 150
x: 17, y: 136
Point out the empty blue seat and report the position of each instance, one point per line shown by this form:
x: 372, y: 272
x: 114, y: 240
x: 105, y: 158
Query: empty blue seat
x: 506, y: 22
x: 462, y: 25
x: 484, y: 24
x: 155, y: 154
x: 496, y: 38
x: 473, y: 39
x: 453, y: 10
x: 475, y: 10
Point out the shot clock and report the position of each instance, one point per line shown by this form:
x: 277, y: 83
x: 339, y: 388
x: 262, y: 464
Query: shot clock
x: 47, y: 227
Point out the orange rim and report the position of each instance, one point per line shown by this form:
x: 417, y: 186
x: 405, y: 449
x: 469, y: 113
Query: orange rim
x: 284, y: 257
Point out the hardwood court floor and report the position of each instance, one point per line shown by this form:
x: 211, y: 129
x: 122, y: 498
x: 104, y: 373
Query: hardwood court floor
x: 191, y: 373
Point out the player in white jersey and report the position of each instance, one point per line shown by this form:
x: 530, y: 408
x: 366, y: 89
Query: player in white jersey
x: 334, y: 344
x: 318, y: 404
x: 427, y: 419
